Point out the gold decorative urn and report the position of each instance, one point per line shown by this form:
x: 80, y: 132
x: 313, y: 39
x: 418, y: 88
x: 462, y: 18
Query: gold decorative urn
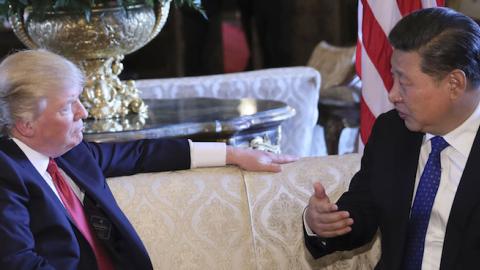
x: 97, y: 43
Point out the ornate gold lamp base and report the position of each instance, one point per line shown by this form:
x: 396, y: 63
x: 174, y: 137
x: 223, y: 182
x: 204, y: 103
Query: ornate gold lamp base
x: 104, y: 95
x: 97, y: 46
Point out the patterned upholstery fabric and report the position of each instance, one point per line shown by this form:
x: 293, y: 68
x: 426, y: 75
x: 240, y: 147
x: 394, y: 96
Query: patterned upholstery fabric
x: 226, y: 218
x: 296, y: 86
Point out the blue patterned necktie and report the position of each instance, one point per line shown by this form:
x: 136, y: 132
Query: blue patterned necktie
x: 422, y: 206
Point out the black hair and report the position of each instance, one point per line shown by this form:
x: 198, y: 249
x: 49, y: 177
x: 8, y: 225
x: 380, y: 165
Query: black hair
x: 444, y: 39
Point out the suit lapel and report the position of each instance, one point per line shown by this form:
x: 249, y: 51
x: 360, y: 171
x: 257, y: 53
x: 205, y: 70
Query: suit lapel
x: 84, y: 181
x: 403, y: 185
x: 466, y: 198
x: 94, y: 185
x: 12, y: 149
x: 90, y: 179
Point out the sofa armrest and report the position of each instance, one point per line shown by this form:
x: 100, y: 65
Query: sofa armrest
x: 296, y: 86
x: 276, y: 208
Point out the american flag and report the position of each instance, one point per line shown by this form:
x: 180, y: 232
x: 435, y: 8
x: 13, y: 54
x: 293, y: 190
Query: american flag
x: 375, y: 20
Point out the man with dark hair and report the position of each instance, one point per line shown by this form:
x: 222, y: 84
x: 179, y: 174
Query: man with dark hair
x: 419, y: 180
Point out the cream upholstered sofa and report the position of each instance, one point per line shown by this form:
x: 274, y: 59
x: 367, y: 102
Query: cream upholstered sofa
x: 227, y: 218
x: 299, y: 87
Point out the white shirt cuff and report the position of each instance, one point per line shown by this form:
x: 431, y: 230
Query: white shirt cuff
x: 307, y: 228
x: 207, y: 154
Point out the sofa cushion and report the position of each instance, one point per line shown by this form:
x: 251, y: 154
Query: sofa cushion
x: 195, y: 219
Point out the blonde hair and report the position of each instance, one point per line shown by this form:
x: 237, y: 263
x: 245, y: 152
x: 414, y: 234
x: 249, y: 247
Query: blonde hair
x: 27, y: 78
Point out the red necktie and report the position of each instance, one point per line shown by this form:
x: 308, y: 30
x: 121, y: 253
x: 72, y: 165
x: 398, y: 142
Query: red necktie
x: 75, y: 209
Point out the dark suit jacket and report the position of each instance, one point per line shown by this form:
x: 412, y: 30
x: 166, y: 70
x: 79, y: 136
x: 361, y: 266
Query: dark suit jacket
x: 380, y: 197
x: 35, y: 230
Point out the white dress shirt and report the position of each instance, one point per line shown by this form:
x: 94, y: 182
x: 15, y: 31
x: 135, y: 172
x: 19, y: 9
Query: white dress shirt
x: 202, y: 154
x: 453, y: 159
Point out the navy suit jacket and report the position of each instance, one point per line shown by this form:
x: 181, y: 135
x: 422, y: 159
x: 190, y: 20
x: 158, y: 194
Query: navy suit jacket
x: 380, y: 196
x: 35, y: 230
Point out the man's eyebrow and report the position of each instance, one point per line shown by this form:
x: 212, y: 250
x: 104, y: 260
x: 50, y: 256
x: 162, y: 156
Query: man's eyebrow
x: 397, y: 72
x: 72, y: 98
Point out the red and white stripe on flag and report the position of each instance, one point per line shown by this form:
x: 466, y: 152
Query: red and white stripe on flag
x: 375, y: 20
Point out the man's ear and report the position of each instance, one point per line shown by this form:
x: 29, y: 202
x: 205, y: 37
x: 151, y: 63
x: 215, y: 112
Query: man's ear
x: 457, y: 83
x: 24, y: 128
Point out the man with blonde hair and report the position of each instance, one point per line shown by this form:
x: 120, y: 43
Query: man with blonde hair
x: 57, y: 211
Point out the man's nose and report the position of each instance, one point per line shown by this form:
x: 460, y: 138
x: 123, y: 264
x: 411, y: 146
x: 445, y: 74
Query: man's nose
x: 80, y: 111
x: 394, y: 94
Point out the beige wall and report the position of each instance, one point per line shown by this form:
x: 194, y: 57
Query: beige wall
x: 467, y: 7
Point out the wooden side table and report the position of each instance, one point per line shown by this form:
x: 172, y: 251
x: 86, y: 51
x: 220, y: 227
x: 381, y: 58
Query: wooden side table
x: 334, y: 116
x: 238, y: 122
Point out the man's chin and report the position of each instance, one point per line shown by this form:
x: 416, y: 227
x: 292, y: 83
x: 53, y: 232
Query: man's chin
x: 78, y: 139
x: 412, y: 126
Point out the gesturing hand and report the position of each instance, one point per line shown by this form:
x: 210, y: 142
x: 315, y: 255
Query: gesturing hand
x: 323, y: 217
x: 255, y: 160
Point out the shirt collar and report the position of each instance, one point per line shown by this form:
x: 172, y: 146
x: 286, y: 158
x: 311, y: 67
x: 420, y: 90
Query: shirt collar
x: 462, y: 137
x: 38, y: 160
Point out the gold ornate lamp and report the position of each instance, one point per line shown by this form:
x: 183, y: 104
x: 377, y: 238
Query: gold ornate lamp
x: 97, y: 45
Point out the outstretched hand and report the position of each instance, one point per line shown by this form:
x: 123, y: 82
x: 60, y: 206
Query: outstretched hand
x: 256, y: 160
x: 323, y: 217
